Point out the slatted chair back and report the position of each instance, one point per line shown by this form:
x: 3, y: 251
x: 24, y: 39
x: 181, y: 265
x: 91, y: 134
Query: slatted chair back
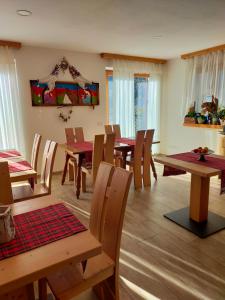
x: 79, y: 134
x: 70, y: 137
x: 97, y: 154
x: 44, y: 160
x: 49, y: 165
x: 102, y: 182
x: 147, y: 156
x: 138, y: 155
x: 108, y: 129
x: 35, y: 151
x: 114, y: 214
x: 6, y: 196
x: 116, y: 130
x: 109, y: 148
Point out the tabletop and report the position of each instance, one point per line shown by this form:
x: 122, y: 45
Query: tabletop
x: 21, y: 175
x: 32, y: 265
x: 192, y: 168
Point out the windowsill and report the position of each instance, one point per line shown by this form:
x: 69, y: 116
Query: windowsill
x: 209, y: 126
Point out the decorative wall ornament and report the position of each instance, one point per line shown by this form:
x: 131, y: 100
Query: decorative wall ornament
x: 49, y: 92
x: 65, y: 116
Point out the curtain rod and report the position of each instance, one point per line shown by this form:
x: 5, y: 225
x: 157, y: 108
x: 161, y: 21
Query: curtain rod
x: 16, y: 45
x: 133, y: 58
x: 203, y: 51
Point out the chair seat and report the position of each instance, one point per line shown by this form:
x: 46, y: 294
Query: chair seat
x: 71, y: 281
x: 24, y: 191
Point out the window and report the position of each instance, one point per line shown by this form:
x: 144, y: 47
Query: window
x: 140, y: 99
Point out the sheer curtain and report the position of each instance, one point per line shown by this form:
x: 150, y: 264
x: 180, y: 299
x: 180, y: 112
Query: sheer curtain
x: 123, y: 106
x: 11, y: 132
x: 205, y: 76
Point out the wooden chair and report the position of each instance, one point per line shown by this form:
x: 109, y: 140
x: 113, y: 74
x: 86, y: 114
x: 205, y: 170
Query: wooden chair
x: 24, y: 191
x: 102, y: 271
x: 35, y: 151
x: 135, y: 162
x: 147, y: 157
x: 79, y: 134
x: 108, y: 129
x: 109, y: 148
x: 5, y: 184
x: 72, y: 138
x: 97, y: 156
x: 116, y: 130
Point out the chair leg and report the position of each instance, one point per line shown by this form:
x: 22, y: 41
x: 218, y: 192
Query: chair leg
x: 42, y: 289
x: 108, y: 289
x: 71, y: 172
x: 153, y: 167
x: 137, y: 177
x: 83, y: 182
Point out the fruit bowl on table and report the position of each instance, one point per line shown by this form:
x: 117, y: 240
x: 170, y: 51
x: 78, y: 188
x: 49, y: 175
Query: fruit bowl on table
x: 201, y: 152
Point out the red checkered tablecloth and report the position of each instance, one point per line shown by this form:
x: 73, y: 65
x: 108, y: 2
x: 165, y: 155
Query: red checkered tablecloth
x: 9, y: 153
x: 40, y: 227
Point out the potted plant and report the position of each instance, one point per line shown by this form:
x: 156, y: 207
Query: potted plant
x: 190, y: 117
x: 214, y: 118
x: 201, y: 119
x: 221, y: 115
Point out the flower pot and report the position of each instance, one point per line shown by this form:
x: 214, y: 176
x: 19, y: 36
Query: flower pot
x: 201, y: 120
x: 214, y: 121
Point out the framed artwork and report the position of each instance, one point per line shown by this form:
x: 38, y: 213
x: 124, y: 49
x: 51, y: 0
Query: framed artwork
x: 65, y: 93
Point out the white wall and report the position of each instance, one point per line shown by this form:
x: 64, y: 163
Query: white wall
x: 36, y: 63
x: 174, y: 136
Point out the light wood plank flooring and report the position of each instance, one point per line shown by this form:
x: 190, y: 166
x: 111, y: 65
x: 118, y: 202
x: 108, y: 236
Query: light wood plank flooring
x: 159, y: 259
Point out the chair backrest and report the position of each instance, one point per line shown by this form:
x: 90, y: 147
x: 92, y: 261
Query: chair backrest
x: 70, y: 137
x: 109, y: 148
x: 147, y: 156
x: 114, y: 213
x: 47, y: 163
x: 108, y: 129
x: 79, y: 134
x: 35, y: 151
x: 97, y: 154
x: 102, y: 182
x: 116, y: 130
x: 6, y: 196
x: 138, y: 154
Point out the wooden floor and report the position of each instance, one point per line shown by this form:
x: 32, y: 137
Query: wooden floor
x: 159, y: 259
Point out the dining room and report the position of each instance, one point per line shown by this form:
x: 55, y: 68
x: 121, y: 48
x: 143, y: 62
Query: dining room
x: 112, y: 150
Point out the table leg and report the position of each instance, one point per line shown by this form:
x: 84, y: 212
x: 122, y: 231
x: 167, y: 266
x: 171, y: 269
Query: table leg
x: 199, y: 198
x: 65, y: 168
x: 124, y: 156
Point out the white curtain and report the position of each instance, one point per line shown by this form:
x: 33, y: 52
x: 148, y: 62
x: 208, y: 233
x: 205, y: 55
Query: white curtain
x: 123, y: 106
x: 11, y: 130
x: 205, y: 76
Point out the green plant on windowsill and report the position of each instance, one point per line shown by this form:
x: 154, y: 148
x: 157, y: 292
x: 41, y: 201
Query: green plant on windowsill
x: 191, y: 114
x: 201, y: 119
x: 214, y: 117
x: 221, y: 115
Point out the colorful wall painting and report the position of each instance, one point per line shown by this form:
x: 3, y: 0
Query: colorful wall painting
x: 64, y: 94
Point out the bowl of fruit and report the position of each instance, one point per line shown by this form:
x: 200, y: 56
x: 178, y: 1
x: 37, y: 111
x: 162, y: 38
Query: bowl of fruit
x: 201, y: 152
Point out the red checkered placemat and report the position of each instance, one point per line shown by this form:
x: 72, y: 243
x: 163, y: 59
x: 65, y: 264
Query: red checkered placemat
x: 19, y: 166
x: 40, y: 227
x: 127, y: 141
x: 9, y: 153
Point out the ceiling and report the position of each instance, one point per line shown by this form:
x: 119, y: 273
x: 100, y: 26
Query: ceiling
x: 152, y: 28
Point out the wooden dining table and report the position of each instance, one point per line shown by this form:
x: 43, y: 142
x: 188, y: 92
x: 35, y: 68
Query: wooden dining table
x: 27, y: 267
x: 196, y: 218
x: 123, y: 147
x: 30, y: 175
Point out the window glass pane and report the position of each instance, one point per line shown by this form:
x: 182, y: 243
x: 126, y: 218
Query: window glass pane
x: 140, y: 99
x: 110, y: 97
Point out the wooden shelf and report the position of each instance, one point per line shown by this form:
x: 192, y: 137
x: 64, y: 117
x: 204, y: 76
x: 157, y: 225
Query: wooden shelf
x: 208, y: 126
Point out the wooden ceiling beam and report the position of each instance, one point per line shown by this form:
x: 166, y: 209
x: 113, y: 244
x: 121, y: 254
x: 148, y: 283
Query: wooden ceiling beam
x: 133, y: 58
x: 203, y: 51
x: 16, y: 45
